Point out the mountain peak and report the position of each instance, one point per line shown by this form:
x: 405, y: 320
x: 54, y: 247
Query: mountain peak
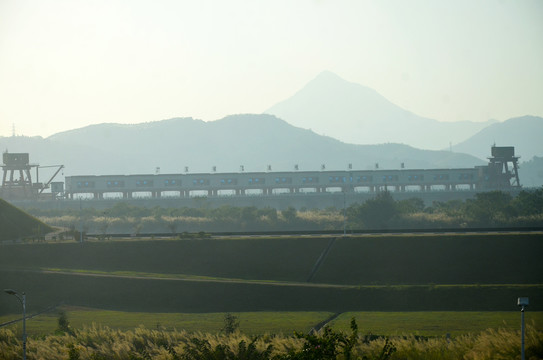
x: 327, y: 75
x: 328, y: 83
x: 356, y: 114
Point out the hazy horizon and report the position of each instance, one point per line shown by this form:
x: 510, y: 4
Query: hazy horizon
x: 68, y: 64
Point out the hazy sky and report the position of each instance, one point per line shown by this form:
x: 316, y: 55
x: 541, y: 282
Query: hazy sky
x: 67, y: 64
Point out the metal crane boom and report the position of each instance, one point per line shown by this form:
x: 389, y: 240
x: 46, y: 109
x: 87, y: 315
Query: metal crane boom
x: 60, y: 167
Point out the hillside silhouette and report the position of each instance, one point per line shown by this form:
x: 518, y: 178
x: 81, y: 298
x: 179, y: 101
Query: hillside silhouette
x: 253, y: 141
x: 523, y: 132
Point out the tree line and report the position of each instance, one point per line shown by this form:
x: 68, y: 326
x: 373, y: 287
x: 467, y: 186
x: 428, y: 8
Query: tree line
x: 488, y: 209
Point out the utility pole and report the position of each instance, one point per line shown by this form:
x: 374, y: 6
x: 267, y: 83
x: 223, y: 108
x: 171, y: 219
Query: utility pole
x: 80, y: 222
x: 523, y: 302
x: 22, y: 299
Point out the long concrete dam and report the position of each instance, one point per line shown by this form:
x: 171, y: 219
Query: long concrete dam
x: 295, y: 188
x: 270, y: 183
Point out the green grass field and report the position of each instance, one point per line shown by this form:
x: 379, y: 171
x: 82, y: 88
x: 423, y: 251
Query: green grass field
x: 434, y: 323
x: 377, y: 323
x: 250, y: 322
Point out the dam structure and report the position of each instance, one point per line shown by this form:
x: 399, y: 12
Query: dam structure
x: 273, y: 183
x: 299, y: 188
x: 276, y: 189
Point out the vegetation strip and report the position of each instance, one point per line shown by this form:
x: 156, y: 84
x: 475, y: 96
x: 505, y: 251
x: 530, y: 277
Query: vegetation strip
x: 493, y: 211
x: 102, y: 342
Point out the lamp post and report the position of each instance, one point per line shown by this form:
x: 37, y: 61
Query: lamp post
x: 523, y: 302
x: 80, y: 222
x: 22, y: 299
x: 344, y: 213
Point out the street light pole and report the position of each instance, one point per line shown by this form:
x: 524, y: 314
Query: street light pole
x: 522, y: 302
x: 344, y: 213
x: 22, y: 299
x: 80, y: 222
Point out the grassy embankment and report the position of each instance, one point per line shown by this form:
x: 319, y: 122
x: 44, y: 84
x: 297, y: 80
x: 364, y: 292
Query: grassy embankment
x: 364, y: 260
x: 415, y: 273
x: 387, y: 273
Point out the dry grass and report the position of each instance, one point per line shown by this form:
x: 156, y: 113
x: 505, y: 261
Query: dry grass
x: 96, y: 342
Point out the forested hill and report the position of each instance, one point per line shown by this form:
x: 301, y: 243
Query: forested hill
x: 252, y: 141
x: 16, y: 224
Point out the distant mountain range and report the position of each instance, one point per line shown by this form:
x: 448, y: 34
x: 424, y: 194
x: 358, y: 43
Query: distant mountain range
x: 373, y: 131
x: 356, y: 114
x: 251, y: 141
x: 525, y: 133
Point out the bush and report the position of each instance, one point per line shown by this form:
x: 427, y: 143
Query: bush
x: 201, y: 349
x: 231, y: 324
